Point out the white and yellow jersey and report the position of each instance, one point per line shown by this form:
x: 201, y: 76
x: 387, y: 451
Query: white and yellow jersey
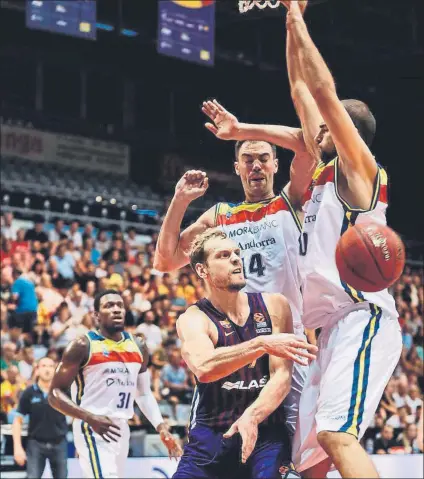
x: 267, y: 234
x: 107, y: 383
x: 327, y: 217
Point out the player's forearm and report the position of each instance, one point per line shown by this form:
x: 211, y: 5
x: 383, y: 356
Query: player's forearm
x: 150, y: 408
x: 283, y: 136
x: 315, y: 72
x: 271, y: 396
x: 62, y: 403
x: 226, y: 360
x: 17, y: 433
x: 147, y: 402
x: 304, y: 103
x: 168, y: 255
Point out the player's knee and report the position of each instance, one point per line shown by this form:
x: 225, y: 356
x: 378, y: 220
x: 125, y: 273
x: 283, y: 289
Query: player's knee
x: 332, y: 439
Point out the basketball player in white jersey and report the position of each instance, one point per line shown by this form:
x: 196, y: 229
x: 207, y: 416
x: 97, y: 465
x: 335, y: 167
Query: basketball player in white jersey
x: 360, y: 341
x: 265, y: 226
x: 107, y: 371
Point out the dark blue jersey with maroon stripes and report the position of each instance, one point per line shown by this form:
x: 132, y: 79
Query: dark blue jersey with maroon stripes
x: 220, y: 403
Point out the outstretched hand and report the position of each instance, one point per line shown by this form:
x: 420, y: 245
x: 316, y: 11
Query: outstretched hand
x: 289, y: 346
x: 169, y: 441
x: 290, y: 3
x: 225, y: 125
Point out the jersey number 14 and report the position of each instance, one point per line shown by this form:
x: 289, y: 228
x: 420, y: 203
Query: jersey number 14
x: 256, y: 266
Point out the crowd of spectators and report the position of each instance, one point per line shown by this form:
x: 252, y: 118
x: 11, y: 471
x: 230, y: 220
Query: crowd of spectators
x: 48, y: 282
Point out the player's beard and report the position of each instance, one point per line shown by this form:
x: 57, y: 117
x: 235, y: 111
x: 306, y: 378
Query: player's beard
x: 327, y: 156
x: 116, y: 328
x: 235, y: 287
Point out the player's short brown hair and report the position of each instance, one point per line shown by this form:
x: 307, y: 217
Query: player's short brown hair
x: 197, y: 250
x: 362, y: 118
x: 239, y: 144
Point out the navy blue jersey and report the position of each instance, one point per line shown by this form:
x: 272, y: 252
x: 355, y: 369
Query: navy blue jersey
x: 220, y: 403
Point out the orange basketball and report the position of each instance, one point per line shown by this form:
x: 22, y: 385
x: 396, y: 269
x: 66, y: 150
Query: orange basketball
x: 370, y: 257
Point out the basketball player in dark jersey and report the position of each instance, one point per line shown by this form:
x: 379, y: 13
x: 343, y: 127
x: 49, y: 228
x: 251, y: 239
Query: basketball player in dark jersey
x: 240, y: 347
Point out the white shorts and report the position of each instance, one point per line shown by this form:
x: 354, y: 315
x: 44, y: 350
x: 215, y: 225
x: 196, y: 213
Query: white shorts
x: 358, y: 352
x: 97, y: 457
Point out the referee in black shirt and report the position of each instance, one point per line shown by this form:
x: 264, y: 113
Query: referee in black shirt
x: 47, y: 428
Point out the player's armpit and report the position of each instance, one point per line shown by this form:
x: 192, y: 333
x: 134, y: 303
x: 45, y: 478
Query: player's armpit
x: 302, y: 169
x: 353, y: 152
x: 311, y: 336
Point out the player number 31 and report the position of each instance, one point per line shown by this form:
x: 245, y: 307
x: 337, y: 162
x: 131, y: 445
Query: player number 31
x: 124, y: 400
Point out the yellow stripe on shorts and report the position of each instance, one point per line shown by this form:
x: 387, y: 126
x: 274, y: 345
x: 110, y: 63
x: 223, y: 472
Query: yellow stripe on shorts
x: 361, y: 371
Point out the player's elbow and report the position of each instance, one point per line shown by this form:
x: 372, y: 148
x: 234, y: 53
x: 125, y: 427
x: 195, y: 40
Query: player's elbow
x: 203, y: 375
x: 158, y: 264
x: 323, y: 92
x: 52, y: 398
x: 162, y: 264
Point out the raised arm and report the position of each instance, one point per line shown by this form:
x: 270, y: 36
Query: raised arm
x: 356, y: 160
x: 149, y: 406
x: 226, y: 126
x: 211, y: 364
x: 305, y: 161
x: 74, y: 356
x: 173, y: 246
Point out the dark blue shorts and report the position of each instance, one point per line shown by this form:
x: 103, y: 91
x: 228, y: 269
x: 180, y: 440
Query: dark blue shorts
x: 208, y: 455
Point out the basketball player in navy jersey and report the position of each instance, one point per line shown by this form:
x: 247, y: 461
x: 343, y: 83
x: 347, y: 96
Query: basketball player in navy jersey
x: 240, y: 347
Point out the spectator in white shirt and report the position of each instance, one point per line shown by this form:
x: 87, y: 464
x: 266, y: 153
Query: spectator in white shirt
x: 150, y: 331
x: 26, y: 364
x: 401, y: 394
x: 77, y: 305
x: 133, y: 243
x: 74, y: 234
x: 101, y: 270
x: 141, y: 304
x: 57, y: 233
x: 90, y: 291
x: 63, y: 330
x: 102, y: 242
x: 413, y: 400
x: 71, y: 249
x: 8, y: 228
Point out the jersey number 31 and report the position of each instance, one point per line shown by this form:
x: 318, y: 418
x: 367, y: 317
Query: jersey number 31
x: 124, y: 400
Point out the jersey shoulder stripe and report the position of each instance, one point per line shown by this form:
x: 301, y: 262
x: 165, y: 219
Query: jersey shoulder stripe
x: 251, y: 212
x: 379, y: 194
x: 103, y: 350
x: 327, y: 173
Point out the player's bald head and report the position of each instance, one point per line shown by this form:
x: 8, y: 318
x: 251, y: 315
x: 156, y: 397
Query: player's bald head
x: 362, y: 118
